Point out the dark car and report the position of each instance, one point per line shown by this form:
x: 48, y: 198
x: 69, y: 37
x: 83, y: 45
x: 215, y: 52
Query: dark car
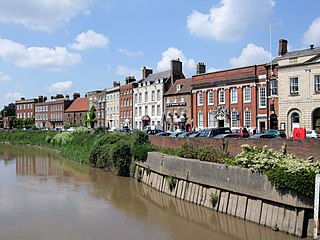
x: 215, y: 131
x: 175, y: 134
x: 227, y: 135
x: 276, y: 132
x: 194, y: 135
x: 164, y: 134
x: 185, y: 134
x: 264, y: 135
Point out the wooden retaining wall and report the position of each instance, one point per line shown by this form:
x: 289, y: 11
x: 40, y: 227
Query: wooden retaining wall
x: 287, y: 212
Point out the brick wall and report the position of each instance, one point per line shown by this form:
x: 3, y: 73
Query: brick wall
x: 300, y: 148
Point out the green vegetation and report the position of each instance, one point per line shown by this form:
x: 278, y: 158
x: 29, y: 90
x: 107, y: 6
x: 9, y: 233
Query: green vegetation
x: 115, y: 151
x: 213, y: 198
x: 172, y: 182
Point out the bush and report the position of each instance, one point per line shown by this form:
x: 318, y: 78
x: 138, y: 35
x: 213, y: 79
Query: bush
x: 210, y: 154
x: 139, y: 138
x: 62, y: 138
x: 140, y: 153
x: 187, y: 150
x: 121, y: 158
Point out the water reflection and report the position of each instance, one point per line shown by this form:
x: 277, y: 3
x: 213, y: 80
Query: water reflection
x: 47, y: 197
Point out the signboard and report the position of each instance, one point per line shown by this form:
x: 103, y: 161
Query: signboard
x: 176, y: 104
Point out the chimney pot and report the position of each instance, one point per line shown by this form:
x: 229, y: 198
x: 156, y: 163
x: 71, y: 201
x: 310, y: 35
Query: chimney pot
x: 283, y: 47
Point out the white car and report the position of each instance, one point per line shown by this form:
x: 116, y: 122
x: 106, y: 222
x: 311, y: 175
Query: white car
x: 313, y: 134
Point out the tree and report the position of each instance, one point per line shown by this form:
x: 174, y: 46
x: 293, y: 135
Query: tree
x: 91, y: 118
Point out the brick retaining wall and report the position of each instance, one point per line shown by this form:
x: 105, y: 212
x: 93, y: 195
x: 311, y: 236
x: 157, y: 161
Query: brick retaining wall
x: 300, y: 148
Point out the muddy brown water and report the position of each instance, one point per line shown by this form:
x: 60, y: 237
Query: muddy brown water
x: 43, y: 196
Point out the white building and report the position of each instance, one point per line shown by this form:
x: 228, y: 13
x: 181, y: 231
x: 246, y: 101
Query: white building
x: 112, y: 113
x: 148, y: 95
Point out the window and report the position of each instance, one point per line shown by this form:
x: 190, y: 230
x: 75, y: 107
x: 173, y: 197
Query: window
x: 273, y: 87
x: 182, y: 99
x: 234, y: 119
x: 158, y: 95
x: 221, y: 97
x: 153, y: 96
x: 247, y: 94
x: 262, y: 97
x: 247, y: 119
x: 174, y: 100
x: 200, y: 98
x: 158, y: 110
x: 140, y: 111
x: 153, y: 110
x: 234, y: 95
x: 136, y: 98
x: 140, y: 97
x: 145, y: 110
x: 294, y: 86
x: 210, y: 119
x: 200, y: 120
x: 317, y: 83
x: 136, y: 112
x: 146, y: 96
x: 210, y: 98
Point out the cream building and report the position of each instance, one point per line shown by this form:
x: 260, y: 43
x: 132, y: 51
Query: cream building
x: 112, y: 113
x: 299, y: 88
x: 148, y: 95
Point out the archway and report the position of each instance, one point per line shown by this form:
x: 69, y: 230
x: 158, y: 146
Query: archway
x: 316, y: 119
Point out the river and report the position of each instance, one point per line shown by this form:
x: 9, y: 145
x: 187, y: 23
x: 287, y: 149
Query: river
x: 44, y: 196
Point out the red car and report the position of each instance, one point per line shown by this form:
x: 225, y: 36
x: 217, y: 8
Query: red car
x: 242, y: 132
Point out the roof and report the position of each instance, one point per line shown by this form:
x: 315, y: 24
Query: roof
x: 79, y: 105
x: 185, y: 87
x: 299, y: 53
x: 158, y: 75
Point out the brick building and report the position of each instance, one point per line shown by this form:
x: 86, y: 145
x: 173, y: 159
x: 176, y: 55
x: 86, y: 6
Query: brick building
x: 77, y: 111
x: 231, y: 98
x: 126, y: 102
x: 25, y: 108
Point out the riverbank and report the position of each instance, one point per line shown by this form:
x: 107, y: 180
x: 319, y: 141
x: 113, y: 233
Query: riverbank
x: 232, y: 190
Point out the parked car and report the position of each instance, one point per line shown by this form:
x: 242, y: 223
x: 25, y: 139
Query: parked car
x: 227, y: 135
x: 164, y: 134
x: 175, y: 134
x: 264, y: 135
x: 313, y: 134
x: 242, y: 132
x: 215, y: 131
x: 276, y: 132
x: 194, y: 135
x: 185, y: 134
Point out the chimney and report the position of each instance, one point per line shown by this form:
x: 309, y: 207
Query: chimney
x: 116, y: 84
x: 311, y: 46
x: 76, y: 95
x: 23, y: 98
x: 283, y: 47
x: 176, y: 69
x: 201, y: 68
x: 40, y: 99
x: 130, y: 79
x: 146, y: 72
x: 45, y: 98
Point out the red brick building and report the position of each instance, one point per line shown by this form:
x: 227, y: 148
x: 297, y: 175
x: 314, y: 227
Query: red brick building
x: 126, y: 104
x: 25, y: 108
x: 77, y: 111
x: 231, y: 98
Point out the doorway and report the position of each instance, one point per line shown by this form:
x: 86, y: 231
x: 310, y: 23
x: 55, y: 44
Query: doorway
x: 220, y: 123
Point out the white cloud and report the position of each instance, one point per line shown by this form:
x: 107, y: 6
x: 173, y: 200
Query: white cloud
x: 4, y: 77
x: 125, y: 71
x: 60, y: 87
x: 188, y: 65
x: 13, y: 96
x: 312, y: 35
x: 130, y: 53
x: 42, y: 15
x: 250, y: 55
x: 52, y: 59
x: 229, y: 20
x: 89, y: 39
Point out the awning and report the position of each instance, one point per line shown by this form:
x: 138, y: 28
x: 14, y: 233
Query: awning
x: 145, y: 118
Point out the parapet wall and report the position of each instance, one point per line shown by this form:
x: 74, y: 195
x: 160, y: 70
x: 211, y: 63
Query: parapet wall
x: 237, y: 191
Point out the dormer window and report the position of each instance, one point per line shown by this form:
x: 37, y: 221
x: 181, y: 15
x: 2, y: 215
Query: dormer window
x: 179, y: 87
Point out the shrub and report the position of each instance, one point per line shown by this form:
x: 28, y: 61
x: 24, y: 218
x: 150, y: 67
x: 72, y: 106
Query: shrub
x: 62, y: 138
x: 187, y: 150
x: 121, y: 158
x: 81, y: 129
x: 210, y: 154
x: 172, y: 182
x: 140, y: 153
x: 213, y: 198
x: 139, y: 138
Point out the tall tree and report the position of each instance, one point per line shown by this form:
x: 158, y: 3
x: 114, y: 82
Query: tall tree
x: 91, y: 118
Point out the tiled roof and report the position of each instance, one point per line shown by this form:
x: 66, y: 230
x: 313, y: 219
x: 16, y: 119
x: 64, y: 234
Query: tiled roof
x: 155, y: 76
x: 299, y: 53
x: 185, y: 87
x: 79, y: 105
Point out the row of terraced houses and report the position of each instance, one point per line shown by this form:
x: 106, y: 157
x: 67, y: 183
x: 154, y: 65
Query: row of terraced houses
x: 282, y: 94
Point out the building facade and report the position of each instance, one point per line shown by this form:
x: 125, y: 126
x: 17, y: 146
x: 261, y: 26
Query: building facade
x: 148, y: 95
x: 77, y: 111
x: 231, y: 98
x: 112, y: 116
x: 126, y: 103
x: 25, y: 108
x: 299, y: 88
x: 178, y: 106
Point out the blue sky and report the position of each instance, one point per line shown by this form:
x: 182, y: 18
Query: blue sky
x: 66, y: 46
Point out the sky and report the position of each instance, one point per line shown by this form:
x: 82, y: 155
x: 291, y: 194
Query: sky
x: 48, y: 47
